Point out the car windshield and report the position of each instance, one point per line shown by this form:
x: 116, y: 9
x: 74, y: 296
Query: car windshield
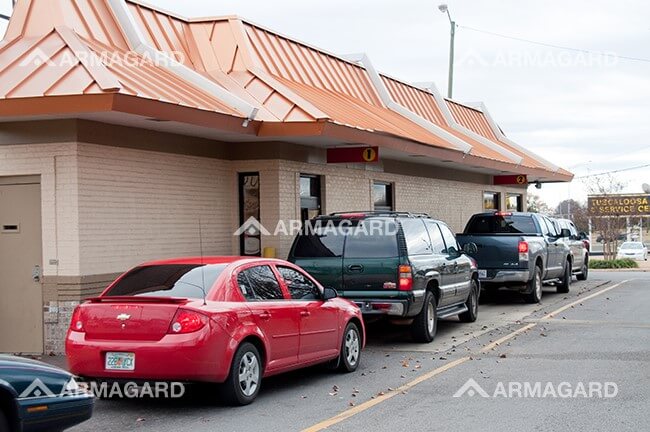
x: 630, y: 245
x: 169, y: 280
x: 501, y: 224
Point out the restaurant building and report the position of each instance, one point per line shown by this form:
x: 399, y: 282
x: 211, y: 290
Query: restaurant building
x: 129, y: 133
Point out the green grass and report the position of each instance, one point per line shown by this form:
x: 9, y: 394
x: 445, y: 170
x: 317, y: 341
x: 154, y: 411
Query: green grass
x: 613, y: 264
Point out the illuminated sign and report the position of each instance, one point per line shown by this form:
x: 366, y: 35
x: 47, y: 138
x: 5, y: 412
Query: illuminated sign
x: 619, y: 205
x: 353, y: 155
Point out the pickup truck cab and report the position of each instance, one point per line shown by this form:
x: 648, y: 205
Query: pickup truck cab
x: 403, y: 266
x: 578, y: 247
x: 520, y: 251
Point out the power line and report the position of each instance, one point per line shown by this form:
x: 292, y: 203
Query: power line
x: 613, y: 172
x: 548, y: 45
x: 3, y: 16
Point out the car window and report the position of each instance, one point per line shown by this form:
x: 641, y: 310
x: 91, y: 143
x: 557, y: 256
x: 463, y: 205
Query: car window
x: 300, y: 286
x: 631, y: 245
x: 416, y: 236
x: 450, y: 240
x: 259, y: 283
x: 319, y: 242
x: 573, y: 229
x: 550, y: 228
x: 501, y: 224
x: 369, y: 239
x: 437, y: 243
x: 169, y: 280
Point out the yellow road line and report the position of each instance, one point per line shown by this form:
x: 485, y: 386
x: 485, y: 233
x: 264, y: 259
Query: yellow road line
x: 563, y: 308
x: 388, y: 395
x: 381, y: 398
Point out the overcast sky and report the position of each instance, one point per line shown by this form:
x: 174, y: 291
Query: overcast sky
x: 587, y: 113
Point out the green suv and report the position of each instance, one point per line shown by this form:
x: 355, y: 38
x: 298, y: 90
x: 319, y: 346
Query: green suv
x: 405, y: 266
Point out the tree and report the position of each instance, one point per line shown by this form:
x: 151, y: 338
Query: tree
x: 608, y: 227
x: 535, y: 204
x: 576, y: 211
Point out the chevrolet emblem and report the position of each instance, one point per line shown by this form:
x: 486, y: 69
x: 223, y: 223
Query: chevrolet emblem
x: 123, y: 317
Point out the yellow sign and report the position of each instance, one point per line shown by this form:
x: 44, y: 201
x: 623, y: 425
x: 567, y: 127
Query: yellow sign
x: 619, y: 205
x: 369, y: 154
x: 521, y: 179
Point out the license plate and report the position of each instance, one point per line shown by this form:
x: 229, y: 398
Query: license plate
x: 482, y: 274
x: 120, y: 361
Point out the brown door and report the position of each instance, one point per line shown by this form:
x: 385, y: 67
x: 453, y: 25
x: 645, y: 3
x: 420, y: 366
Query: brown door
x: 21, y: 307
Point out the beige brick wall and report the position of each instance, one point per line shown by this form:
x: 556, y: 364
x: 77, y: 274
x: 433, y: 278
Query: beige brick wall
x: 138, y: 205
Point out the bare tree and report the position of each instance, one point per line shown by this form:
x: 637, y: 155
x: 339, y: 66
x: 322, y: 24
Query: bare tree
x: 608, y: 227
x: 535, y: 204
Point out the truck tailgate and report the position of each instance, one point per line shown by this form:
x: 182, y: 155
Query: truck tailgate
x: 494, y: 251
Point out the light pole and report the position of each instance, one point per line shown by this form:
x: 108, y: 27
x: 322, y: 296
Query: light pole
x: 450, y: 83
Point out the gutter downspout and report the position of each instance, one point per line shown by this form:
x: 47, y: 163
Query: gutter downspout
x: 139, y: 44
x: 385, y: 97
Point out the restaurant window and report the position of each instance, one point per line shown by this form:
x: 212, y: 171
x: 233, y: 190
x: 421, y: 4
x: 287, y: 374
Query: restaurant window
x: 491, y: 201
x: 250, y: 241
x: 310, y: 196
x: 514, y: 202
x: 382, y: 194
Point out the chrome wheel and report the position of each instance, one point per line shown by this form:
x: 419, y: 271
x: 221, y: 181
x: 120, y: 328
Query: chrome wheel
x: 352, y: 347
x: 431, y: 318
x: 249, y: 374
x: 475, y: 301
x: 538, y: 285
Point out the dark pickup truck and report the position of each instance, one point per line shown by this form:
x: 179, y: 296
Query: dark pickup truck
x: 519, y: 251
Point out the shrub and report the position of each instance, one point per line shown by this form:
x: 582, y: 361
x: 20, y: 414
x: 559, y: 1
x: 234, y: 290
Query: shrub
x: 613, y: 264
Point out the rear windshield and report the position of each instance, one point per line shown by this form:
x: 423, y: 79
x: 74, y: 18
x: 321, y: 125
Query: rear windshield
x: 170, y: 280
x: 319, y: 242
x: 493, y: 224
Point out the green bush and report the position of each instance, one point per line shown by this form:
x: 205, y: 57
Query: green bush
x: 613, y: 264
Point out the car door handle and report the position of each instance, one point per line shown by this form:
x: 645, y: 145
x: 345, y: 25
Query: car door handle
x: 304, y: 313
x: 265, y: 315
x: 355, y: 268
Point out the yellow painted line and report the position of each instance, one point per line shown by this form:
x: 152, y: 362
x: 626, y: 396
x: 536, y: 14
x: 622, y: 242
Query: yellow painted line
x: 509, y: 336
x: 563, y: 308
x: 405, y: 387
x: 382, y: 398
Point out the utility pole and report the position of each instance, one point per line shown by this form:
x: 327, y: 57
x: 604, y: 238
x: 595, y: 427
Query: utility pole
x: 450, y: 82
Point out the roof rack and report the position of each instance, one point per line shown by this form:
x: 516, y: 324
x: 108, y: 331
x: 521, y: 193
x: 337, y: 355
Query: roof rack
x: 381, y: 213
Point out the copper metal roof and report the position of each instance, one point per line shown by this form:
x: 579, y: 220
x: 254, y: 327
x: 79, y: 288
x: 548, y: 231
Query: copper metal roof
x: 221, y: 60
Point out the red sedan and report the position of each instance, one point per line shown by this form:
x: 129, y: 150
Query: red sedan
x: 229, y: 320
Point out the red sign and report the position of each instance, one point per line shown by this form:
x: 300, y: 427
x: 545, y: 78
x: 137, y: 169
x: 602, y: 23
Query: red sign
x: 353, y: 155
x: 520, y: 179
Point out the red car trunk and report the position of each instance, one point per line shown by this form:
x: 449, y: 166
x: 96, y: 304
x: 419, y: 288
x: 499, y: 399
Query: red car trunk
x: 128, y: 318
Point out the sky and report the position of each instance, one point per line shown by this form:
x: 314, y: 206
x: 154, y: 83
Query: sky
x: 585, y: 112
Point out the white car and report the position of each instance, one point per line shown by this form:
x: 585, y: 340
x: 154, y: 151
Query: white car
x: 633, y: 250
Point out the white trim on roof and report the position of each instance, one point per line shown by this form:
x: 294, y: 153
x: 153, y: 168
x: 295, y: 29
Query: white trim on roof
x: 139, y: 44
x: 451, y: 121
x: 499, y: 133
x: 385, y: 97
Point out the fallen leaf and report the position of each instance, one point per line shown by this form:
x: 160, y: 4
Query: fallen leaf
x: 502, y: 356
x: 140, y: 419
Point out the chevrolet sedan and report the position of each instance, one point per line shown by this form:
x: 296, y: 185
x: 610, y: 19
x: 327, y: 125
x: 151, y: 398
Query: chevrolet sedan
x: 224, y: 320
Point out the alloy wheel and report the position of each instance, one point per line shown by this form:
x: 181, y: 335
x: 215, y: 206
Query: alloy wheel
x: 249, y: 374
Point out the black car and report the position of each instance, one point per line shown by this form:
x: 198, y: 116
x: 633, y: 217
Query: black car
x: 405, y: 266
x: 35, y: 396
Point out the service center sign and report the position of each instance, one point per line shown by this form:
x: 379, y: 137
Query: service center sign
x: 353, y: 155
x: 619, y: 205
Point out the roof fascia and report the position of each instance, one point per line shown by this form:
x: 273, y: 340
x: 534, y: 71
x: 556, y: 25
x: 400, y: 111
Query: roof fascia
x: 451, y: 121
x: 497, y: 131
x: 139, y: 44
x: 385, y: 97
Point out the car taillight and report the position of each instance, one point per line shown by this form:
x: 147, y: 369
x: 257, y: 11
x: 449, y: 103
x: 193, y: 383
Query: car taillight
x: 587, y: 245
x: 405, y: 278
x: 186, y: 321
x: 76, y: 323
x: 523, y: 251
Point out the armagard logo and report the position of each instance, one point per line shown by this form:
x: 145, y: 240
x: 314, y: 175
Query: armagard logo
x: 37, y: 58
x: 252, y: 227
x: 472, y: 388
x: 36, y: 389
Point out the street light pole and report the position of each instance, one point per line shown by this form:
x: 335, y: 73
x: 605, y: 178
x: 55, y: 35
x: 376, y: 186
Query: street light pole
x: 450, y: 82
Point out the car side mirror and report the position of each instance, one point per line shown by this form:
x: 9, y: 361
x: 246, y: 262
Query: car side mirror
x: 565, y: 233
x: 329, y: 293
x: 470, y: 248
x: 582, y: 235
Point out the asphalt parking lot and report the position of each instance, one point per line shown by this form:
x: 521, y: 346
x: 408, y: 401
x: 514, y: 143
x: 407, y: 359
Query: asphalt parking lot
x: 604, y: 338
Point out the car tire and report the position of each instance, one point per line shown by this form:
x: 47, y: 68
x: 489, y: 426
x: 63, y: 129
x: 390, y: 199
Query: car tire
x: 425, y: 324
x: 4, y: 423
x: 534, y: 287
x: 584, y: 272
x: 350, y: 355
x: 565, y: 282
x: 472, y: 305
x: 244, y: 380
